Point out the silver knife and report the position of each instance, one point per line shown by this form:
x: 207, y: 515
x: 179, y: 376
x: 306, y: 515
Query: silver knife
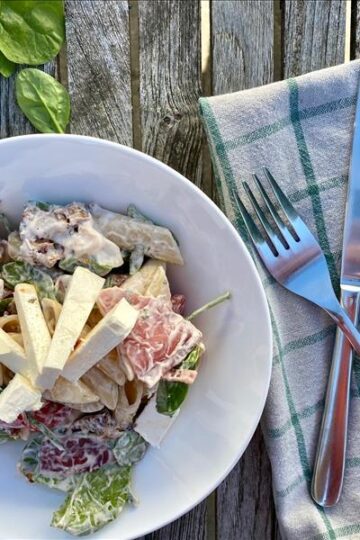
x: 330, y: 456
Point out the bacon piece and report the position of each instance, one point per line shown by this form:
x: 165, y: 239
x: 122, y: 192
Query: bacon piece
x: 160, y: 339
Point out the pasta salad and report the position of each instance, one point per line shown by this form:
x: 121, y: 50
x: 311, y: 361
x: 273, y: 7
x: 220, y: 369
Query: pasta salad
x: 96, y: 353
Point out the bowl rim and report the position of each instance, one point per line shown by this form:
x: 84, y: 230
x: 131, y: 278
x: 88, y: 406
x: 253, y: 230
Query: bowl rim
x: 263, y: 305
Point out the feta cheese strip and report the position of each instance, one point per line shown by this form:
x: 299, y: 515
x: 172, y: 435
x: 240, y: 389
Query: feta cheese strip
x: 80, y: 298
x: 153, y: 426
x: 19, y: 396
x: 12, y: 355
x: 34, y: 329
x: 105, y: 336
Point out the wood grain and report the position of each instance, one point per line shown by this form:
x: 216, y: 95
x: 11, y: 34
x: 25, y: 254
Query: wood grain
x: 242, y: 40
x: 242, y: 44
x: 12, y: 120
x: 98, y: 51
x: 313, y: 35
x: 170, y: 83
x: 355, y: 29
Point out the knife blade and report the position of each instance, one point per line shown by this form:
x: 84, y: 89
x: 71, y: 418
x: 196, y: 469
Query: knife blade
x: 331, y: 450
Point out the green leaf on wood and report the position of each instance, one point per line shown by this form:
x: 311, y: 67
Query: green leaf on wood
x: 7, y: 67
x: 31, y: 31
x: 43, y: 100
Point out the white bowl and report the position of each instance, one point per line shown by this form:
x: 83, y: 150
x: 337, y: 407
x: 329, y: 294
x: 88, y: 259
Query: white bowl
x: 224, y: 406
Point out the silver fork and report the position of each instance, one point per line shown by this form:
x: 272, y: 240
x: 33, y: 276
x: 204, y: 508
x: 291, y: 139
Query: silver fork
x: 293, y: 257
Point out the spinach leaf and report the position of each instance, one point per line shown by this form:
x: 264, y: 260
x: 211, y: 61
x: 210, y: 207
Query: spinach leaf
x: 170, y: 395
x: 31, y: 31
x: 69, y: 265
x: 97, y: 499
x: 22, y: 272
x: 7, y: 67
x: 43, y: 100
x: 129, y: 448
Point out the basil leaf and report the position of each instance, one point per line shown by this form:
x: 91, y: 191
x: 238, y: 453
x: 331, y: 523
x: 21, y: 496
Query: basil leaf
x: 97, y: 499
x: 170, y: 395
x: 43, y: 100
x: 31, y: 31
x: 129, y: 448
x: 22, y: 272
x: 7, y: 67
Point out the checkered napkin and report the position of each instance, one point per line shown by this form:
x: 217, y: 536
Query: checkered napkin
x: 301, y: 129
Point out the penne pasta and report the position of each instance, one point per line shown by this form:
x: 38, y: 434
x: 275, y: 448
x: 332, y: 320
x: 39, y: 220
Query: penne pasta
x: 102, y: 386
x: 130, y: 396
x: 64, y: 391
x: 10, y: 323
x: 51, y: 310
x: 110, y: 365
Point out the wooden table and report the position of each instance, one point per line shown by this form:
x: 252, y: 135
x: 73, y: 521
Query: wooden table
x: 135, y: 70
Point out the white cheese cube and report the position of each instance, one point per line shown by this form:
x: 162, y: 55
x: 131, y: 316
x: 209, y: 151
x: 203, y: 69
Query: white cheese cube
x: 34, y: 329
x: 12, y: 355
x: 153, y: 426
x: 19, y: 396
x: 80, y: 298
x: 105, y: 336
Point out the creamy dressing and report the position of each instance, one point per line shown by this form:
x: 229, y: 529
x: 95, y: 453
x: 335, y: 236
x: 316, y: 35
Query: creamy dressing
x: 64, y: 233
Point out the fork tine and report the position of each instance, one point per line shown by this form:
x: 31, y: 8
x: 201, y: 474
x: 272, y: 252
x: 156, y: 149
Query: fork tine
x: 285, y: 233
x: 273, y: 236
x: 263, y: 248
x: 284, y: 202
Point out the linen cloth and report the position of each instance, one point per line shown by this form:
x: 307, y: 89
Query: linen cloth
x: 301, y: 129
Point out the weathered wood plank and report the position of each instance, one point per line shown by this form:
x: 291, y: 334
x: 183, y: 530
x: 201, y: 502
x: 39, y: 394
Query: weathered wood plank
x: 12, y: 120
x: 313, y: 35
x: 170, y: 83
x: 242, y: 38
x: 242, y: 46
x: 355, y: 29
x: 244, y: 500
x: 98, y: 51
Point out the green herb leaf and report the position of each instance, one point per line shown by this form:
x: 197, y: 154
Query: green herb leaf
x: 170, y: 395
x: 4, y: 304
x: 69, y: 265
x: 7, y: 67
x: 31, y: 31
x: 134, y: 212
x: 43, y: 100
x: 136, y: 259
x: 4, y: 437
x: 4, y: 226
x: 98, y: 499
x: 22, y: 272
x: 130, y: 448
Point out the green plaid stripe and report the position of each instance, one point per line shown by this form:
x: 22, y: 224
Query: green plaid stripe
x: 311, y: 180
x: 230, y: 187
x: 271, y: 129
x: 234, y: 149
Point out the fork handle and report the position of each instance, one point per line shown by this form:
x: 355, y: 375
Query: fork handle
x: 344, y: 322
x: 330, y: 456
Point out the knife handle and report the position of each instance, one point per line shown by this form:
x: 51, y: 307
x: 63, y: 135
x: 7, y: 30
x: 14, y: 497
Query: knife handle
x: 330, y: 456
